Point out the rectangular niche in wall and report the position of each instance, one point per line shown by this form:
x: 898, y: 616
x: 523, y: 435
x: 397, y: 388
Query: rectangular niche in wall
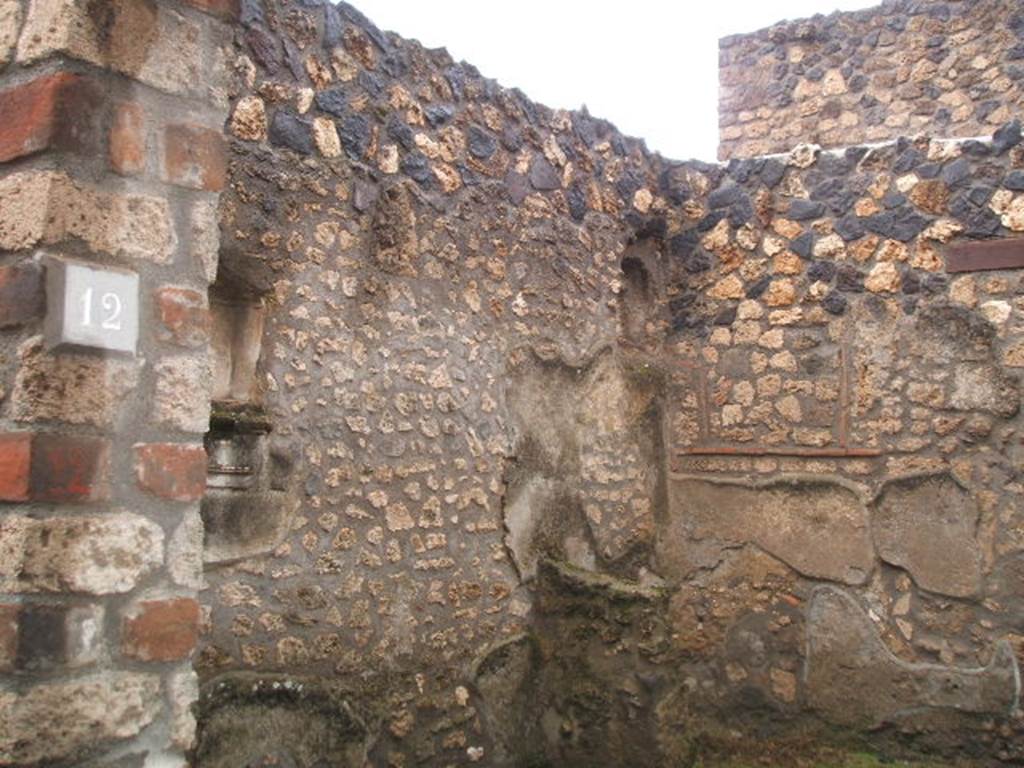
x: 248, y: 503
x: 237, y: 328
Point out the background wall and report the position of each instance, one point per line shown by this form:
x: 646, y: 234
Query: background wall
x: 111, y: 154
x: 434, y: 253
x: 595, y: 453
x: 945, y: 68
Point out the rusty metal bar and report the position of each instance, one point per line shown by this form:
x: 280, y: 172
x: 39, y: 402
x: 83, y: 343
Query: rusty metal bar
x: 845, y: 385
x: 794, y: 451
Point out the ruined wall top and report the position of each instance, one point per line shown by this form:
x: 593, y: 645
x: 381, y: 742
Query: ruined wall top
x: 948, y: 68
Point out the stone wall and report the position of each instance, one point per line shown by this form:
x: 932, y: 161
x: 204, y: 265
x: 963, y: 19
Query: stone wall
x: 598, y: 458
x: 842, y: 428
x: 904, y: 68
x: 111, y: 155
x: 439, y: 260
x: 523, y: 446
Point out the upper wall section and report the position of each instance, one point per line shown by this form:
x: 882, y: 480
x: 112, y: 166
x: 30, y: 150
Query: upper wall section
x: 952, y: 68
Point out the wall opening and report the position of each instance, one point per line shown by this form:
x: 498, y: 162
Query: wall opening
x: 636, y: 300
x: 236, y: 331
x: 246, y: 506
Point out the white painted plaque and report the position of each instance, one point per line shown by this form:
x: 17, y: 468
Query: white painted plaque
x: 88, y: 306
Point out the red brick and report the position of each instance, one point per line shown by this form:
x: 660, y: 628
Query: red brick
x: 128, y: 140
x: 52, y: 467
x: 171, y: 471
x: 52, y: 111
x: 68, y: 468
x: 226, y: 9
x: 195, y: 157
x: 22, y: 294
x: 183, y: 315
x: 15, y: 461
x: 161, y: 630
x: 8, y: 636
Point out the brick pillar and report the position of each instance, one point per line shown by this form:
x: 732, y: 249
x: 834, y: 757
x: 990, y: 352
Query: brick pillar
x: 111, y: 154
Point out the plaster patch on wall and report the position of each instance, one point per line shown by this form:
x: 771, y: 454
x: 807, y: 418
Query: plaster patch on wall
x: 927, y: 524
x: 853, y: 679
x: 788, y: 518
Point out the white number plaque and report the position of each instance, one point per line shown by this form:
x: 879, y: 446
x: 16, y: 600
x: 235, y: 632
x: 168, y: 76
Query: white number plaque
x: 88, y: 306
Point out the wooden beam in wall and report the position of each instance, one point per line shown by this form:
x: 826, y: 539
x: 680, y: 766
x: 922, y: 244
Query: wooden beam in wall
x: 983, y: 255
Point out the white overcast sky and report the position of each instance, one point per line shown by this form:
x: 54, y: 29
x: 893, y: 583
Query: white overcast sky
x: 649, y: 67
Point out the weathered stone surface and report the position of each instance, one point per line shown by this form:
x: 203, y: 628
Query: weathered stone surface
x: 543, y: 175
x: 834, y: 303
x: 22, y: 294
x: 439, y: 114
x: 985, y: 388
x: 265, y: 48
x: 505, y: 677
x: 805, y: 210
x: 204, y: 237
x: 183, y: 689
x: 10, y: 24
x: 930, y: 196
x: 884, y: 278
x: 447, y: 177
x: 927, y: 526
x: 948, y: 333
x: 73, y: 388
x: 804, y: 155
x: 8, y: 635
x: 99, y: 555
x: 524, y: 516
x: 1013, y: 215
x: 437, y: 297
x: 416, y: 166
x: 956, y: 172
x: 67, y: 721
x: 788, y: 519
x: 396, y: 248
x: 730, y: 287
x: 481, y: 144
x: 249, y: 120
x: 852, y: 679
x: 325, y: 135
x: 580, y: 430
x: 147, y: 41
x: 355, y: 136
x: 291, y: 131
x: 1014, y: 180
x: 182, y: 395
x: 237, y: 526
x: 780, y: 293
x: 265, y: 720
x: 46, y: 206
x: 1006, y: 137
x: 185, y: 552
x: 902, y: 224
x: 24, y: 200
